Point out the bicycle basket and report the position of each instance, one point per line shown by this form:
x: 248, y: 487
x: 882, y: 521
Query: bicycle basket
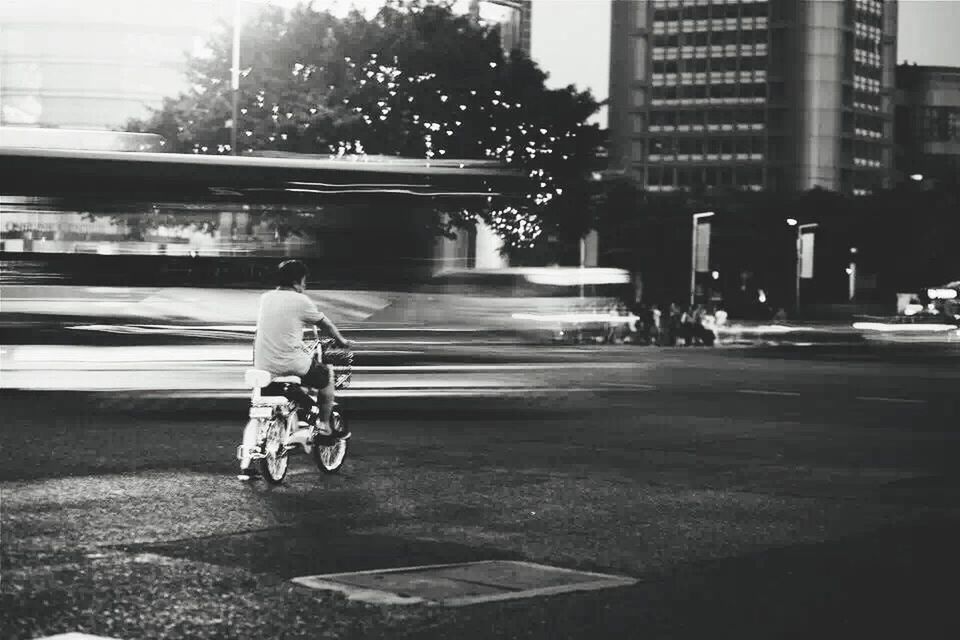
x: 341, y: 360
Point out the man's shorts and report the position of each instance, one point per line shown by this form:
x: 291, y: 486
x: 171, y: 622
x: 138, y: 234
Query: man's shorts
x: 317, y: 377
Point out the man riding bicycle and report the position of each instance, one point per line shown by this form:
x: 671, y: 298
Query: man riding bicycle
x: 279, y: 348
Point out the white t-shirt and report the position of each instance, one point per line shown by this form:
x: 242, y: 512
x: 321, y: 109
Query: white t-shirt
x: 278, y: 347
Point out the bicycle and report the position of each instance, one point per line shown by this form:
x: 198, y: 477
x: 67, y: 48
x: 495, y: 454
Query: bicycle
x: 274, y: 430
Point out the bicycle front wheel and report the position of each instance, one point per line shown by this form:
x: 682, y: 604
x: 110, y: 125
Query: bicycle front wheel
x: 330, y: 452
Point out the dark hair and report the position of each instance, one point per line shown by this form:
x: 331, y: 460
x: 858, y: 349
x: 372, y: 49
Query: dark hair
x: 291, y: 272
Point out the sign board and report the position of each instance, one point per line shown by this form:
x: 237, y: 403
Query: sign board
x: 703, y: 247
x: 806, y: 254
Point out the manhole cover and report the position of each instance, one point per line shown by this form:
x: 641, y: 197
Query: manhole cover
x: 455, y: 585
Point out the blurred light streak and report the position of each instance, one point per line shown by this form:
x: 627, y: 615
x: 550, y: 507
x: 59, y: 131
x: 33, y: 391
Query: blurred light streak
x: 357, y: 184
x: 575, y: 276
x: 770, y: 329
x: 904, y: 327
x: 575, y: 318
x: 406, y: 192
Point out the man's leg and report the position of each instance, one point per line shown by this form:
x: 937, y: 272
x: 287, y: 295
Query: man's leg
x: 325, y: 400
x: 321, y: 378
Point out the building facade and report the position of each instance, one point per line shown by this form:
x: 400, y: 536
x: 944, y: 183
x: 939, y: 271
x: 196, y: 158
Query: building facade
x: 513, y: 16
x: 96, y: 65
x: 84, y: 65
x: 928, y: 123
x: 753, y: 94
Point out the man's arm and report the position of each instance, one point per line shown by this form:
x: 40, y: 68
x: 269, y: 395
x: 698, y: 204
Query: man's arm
x: 331, y: 330
x: 310, y: 315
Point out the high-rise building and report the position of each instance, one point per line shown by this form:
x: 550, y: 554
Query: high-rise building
x: 753, y: 94
x: 928, y: 123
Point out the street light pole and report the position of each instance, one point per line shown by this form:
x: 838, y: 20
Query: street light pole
x: 694, y: 249
x: 800, y: 228
x: 235, y: 78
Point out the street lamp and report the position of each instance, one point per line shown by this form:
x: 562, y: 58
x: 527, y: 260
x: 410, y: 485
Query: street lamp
x: 852, y: 272
x: 800, y: 228
x: 917, y: 177
x: 694, y: 245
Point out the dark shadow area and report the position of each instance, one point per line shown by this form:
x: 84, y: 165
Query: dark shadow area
x: 324, y: 546
x: 892, y: 583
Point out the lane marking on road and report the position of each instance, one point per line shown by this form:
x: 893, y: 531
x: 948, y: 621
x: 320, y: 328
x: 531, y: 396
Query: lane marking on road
x: 75, y: 635
x: 883, y: 399
x: 762, y: 392
x: 627, y: 385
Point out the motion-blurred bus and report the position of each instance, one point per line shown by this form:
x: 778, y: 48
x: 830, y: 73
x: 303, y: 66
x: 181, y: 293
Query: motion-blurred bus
x: 547, y: 302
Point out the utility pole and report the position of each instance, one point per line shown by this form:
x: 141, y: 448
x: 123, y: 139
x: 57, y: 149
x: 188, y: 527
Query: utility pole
x: 235, y: 78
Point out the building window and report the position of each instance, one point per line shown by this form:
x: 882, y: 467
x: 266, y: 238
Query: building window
x: 660, y: 146
x: 640, y: 58
x: 690, y: 118
x: 940, y: 124
x: 689, y: 177
x: 720, y: 117
x: 654, y: 176
x: 688, y: 146
x: 668, y: 178
x: 749, y: 176
x: 754, y: 9
x: 640, y: 16
x: 723, y: 91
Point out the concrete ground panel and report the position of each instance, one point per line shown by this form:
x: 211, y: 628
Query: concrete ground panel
x: 461, y: 584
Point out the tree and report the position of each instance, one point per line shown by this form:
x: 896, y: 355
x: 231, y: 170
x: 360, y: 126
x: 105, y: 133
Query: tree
x: 415, y: 80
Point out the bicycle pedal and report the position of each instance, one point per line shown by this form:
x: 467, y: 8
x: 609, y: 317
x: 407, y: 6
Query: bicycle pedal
x: 253, y: 453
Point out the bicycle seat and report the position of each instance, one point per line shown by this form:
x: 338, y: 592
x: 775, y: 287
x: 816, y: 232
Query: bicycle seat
x: 258, y: 378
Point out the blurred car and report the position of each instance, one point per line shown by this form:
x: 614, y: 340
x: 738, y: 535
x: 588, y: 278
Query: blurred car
x: 944, y: 300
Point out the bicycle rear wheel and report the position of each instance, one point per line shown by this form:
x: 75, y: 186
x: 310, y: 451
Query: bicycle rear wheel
x: 274, y: 464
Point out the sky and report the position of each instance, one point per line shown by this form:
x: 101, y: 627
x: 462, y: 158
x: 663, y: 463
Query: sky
x: 571, y: 39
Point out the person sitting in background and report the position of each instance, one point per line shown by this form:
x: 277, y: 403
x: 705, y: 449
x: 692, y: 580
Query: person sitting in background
x: 721, y: 316
x: 708, y: 327
x: 654, y: 334
x: 674, y: 324
x: 687, y: 327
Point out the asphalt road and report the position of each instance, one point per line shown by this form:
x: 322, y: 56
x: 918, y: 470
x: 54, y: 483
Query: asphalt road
x: 755, y: 493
